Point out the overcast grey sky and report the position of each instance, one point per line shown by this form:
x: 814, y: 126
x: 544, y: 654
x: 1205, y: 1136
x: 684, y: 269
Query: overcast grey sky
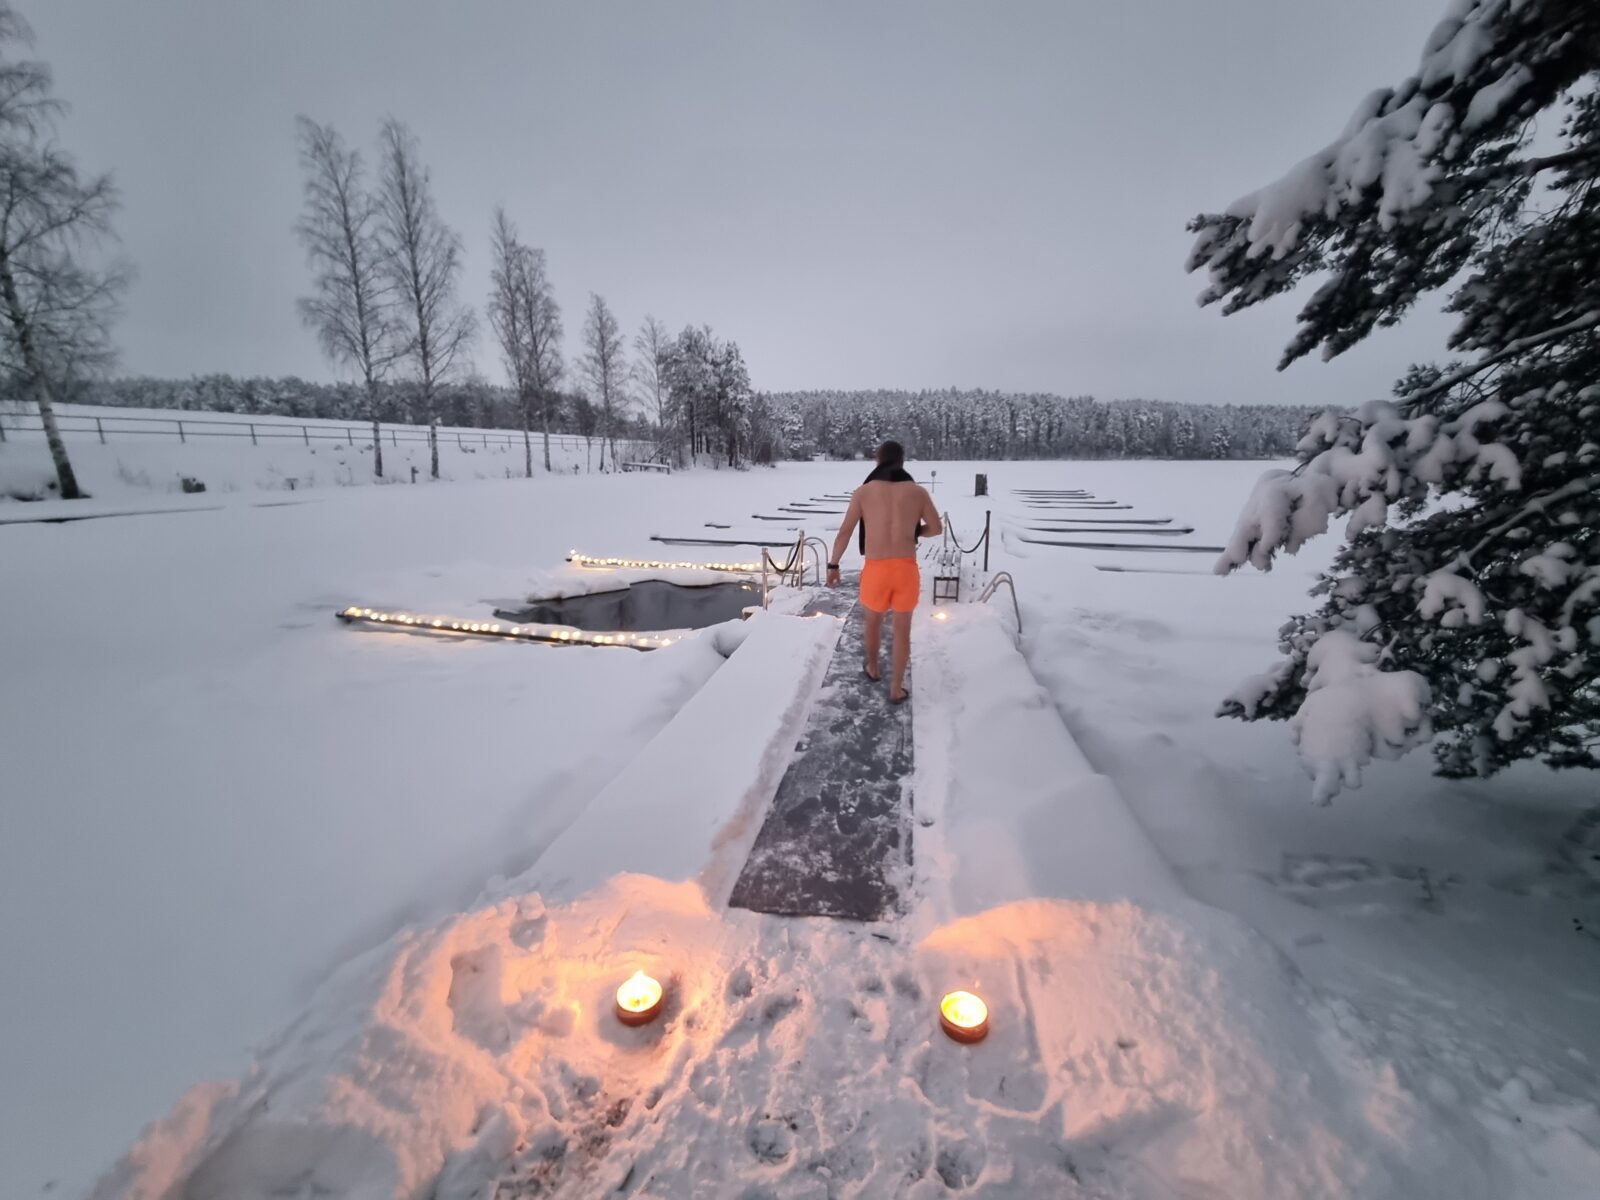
x: 860, y: 194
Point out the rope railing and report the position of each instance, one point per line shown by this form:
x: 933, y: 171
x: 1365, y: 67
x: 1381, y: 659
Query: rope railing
x: 952, y: 541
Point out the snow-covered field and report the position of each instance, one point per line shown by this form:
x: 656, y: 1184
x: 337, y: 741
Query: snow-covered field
x: 143, y: 456
x: 1202, y: 984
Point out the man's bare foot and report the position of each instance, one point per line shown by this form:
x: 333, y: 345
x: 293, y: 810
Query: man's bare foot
x: 867, y: 671
x: 905, y: 694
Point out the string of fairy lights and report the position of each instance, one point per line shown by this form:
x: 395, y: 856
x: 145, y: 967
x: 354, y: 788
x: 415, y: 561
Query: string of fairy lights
x: 647, y: 564
x: 560, y: 635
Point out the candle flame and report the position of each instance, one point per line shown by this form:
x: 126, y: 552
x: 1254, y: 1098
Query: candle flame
x: 964, y: 1010
x: 639, y: 993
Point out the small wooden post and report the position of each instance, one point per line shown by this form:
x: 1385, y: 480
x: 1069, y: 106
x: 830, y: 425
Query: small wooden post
x: 307, y: 436
x: 98, y: 428
x: 981, y: 487
x: 349, y: 436
x: 253, y: 441
x: 181, y: 438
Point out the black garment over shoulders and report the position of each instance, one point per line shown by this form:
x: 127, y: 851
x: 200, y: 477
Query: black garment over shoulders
x: 884, y: 474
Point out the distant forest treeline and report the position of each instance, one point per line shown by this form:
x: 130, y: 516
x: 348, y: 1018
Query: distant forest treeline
x: 932, y: 424
x: 996, y: 425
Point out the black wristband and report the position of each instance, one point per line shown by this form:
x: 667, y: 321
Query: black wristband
x: 833, y: 566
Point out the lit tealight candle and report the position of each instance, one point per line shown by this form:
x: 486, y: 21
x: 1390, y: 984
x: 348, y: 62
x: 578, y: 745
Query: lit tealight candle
x: 964, y: 1017
x: 638, y: 999
x: 941, y: 616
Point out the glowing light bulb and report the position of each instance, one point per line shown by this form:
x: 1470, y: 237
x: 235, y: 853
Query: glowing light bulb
x: 964, y: 1016
x: 639, y: 999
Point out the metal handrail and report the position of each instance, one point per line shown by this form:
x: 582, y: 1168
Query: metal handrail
x: 994, y: 586
x: 819, y: 553
x: 797, y: 557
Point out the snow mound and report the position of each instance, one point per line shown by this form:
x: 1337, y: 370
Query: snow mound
x: 1132, y: 1054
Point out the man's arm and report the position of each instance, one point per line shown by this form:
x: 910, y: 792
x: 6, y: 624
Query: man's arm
x: 932, y: 526
x: 852, y: 516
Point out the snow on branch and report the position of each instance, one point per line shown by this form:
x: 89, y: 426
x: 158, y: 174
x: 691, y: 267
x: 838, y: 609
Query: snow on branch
x: 1359, y: 463
x: 1284, y: 511
x: 1392, y: 150
x: 1453, y: 599
x: 1353, y: 713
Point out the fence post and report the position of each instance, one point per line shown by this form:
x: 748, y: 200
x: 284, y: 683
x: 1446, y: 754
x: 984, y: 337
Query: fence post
x: 486, y: 441
x: 348, y: 436
x: 305, y: 435
x: 393, y: 441
x: 181, y: 438
x: 459, y: 442
x: 253, y: 441
x: 986, y: 541
x: 101, y: 430
x: 2, y: 430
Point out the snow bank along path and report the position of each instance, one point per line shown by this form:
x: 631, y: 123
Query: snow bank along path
x: 1143, y: 1045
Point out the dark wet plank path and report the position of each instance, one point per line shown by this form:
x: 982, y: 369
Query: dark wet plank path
x: 837, y: 842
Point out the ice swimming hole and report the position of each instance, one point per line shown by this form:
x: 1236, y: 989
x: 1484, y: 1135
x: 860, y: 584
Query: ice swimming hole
x: 649, y: 604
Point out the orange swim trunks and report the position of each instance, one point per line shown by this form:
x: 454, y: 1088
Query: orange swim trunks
x: 890, y: 583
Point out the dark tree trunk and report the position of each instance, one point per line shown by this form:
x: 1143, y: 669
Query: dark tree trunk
x: 527, y: 442
x: 377, y: 435
x: 40, y: 383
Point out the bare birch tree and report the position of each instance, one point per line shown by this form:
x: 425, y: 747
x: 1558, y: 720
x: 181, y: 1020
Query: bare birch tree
x: 56, y: 306
x: 508, y: 279
x: 545, y: 365
x: 653, y: 346
x: 351, y: 307
x: 605, y: 367
x: 422, y: 257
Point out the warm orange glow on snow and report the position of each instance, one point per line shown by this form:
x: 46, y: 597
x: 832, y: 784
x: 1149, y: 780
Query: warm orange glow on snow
x: 639, y: 999
x: 964, y: 1016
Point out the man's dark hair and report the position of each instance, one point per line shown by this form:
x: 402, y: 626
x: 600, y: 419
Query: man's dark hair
x: 891, y: 454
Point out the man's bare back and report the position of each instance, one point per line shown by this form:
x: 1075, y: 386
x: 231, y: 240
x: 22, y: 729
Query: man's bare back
x: 892, y: 512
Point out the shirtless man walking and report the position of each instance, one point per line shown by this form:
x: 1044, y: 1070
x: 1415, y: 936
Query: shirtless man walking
x: 894, y: 511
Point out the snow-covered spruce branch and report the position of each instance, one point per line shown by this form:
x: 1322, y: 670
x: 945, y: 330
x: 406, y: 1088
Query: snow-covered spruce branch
x: 1523, y: 167
x: 1538, y: 504
x: 1511, y: 350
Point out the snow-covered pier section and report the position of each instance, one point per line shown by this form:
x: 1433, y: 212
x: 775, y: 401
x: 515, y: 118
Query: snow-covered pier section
x: 687, y: 806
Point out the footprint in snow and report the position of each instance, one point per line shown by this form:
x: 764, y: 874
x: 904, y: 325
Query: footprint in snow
x: 960, y: 1164
x: 772, y: 1140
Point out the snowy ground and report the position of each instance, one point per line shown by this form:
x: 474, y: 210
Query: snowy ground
x: 1203, y: 985
x: 138, y: 454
